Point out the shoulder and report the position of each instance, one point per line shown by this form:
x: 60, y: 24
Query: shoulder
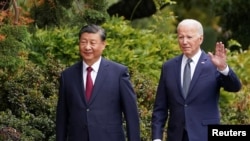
x: 174, y: 60
x: 111, y: 63
x: 74, y: 67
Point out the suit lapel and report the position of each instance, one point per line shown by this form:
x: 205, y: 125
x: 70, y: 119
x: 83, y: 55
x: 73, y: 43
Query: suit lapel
x: 99, y: 81
x: 177, y: 75
x: 198, y: 70
x: 79, y: 80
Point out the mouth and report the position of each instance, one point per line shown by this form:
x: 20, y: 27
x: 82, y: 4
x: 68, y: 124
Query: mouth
x: 87, y: 53
x: 185, y: 48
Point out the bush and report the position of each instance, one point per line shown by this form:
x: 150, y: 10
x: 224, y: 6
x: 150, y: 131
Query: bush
x: 28, y: 93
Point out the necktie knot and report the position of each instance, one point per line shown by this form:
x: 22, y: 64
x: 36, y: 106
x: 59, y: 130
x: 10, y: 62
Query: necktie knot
x: 189, y: 61
x: 89, y: 69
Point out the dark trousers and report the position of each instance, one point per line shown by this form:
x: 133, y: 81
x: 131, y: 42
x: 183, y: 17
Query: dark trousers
x: 185, y: 136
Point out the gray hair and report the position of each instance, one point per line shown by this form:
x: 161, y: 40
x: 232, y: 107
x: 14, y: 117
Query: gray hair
x: 194, y: 22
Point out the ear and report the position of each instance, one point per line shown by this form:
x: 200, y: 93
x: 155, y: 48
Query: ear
x: 201, y: 39
x: 104, y: 43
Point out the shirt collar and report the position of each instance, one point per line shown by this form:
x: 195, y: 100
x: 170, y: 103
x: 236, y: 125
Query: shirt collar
x: 195, y: 58
x: 95, y: 66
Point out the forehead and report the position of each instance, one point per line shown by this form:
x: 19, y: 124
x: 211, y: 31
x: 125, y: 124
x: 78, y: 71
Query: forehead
x: 90, y: 36
x: 187, y: 28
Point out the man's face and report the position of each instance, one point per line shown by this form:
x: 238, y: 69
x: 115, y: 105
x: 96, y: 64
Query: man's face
x: 91, y: 47
x: 189, y: 39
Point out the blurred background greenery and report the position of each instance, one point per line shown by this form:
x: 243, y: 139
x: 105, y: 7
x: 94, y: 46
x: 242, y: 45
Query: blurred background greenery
x: 39, y: 38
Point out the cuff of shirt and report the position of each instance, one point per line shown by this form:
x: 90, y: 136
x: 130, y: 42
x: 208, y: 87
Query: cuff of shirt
x: 157, y: 140
x: 225, y: 71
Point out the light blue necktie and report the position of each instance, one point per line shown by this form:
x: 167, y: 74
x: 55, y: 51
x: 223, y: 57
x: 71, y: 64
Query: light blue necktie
x: 186, y: 77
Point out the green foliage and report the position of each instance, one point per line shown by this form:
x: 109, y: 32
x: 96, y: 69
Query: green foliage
x: 9, y: 56
x: 142, y: 50
x: 28, y: 93
x: 161, y: 22
x: 46, y: 14
x: 22, y: 124
x: 12, y: 54
x: 19, y: 33
x: 62, y: 43
x: 235, y: 106
x: 100, y: 5
x: 239, y: 61
x: 51, y: 14
x: 12, y: 48
x: 65, y: 3
x: 234, y: 45
x: 31, y: 96
x: 94, y: 16
x: 228, y: 18
x: 96, y: 11
x: 145, y: 89
x: 236, y: 28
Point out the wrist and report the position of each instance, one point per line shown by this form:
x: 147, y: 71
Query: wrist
x: 222, y: 67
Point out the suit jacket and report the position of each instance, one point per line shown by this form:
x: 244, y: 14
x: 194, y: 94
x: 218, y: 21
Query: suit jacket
x: 100, y: 119
x: 199, y: 109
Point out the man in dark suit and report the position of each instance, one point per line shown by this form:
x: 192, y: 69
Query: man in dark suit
x: 189, y: 114
x: 112, y: 105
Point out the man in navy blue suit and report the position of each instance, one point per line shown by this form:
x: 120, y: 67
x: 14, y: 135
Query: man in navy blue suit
x: 112, y: 105
x: 189, y: 114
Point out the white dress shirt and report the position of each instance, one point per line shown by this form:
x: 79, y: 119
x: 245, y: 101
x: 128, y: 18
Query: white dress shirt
x: 94, y: 72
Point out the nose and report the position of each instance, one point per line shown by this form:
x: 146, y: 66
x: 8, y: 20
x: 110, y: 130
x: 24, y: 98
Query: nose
x: 87, y: 46
x: 184, y: 41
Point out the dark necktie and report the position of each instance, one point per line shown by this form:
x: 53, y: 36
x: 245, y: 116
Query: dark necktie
x: 89, y: 83
x: 186, y: 77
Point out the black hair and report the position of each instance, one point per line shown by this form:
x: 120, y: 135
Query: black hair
x: 92, y: 28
